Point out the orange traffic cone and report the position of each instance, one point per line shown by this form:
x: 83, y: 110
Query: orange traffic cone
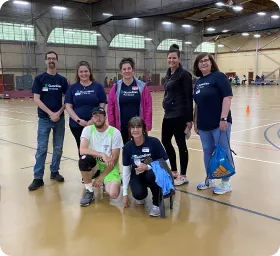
x: 248, y: 110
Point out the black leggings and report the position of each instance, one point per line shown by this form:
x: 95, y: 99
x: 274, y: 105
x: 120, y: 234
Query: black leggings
x: 176, y: 127
x: 140, y: 183
x: 124, y: 133
x: 77, y: 132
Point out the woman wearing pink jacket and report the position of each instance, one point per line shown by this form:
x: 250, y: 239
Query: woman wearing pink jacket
x: 129, y: 97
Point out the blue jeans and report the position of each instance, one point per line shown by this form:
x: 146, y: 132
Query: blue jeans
x: 209, y: 139
x: 44, y: 127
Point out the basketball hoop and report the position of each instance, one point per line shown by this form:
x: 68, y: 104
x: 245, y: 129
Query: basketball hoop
x: 2, y: 2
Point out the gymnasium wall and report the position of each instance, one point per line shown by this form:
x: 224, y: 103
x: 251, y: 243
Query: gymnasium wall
x: 19, y: 60
x: 245, y: 59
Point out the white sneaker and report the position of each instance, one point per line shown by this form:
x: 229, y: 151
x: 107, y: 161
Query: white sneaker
x: 141, y: 202
x: 155, y: 212
x: 181, y: 180
x: 203, y: 186
x: 222, y: 188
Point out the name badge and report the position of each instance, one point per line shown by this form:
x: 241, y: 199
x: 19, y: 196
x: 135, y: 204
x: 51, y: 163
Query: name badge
x: 45, y: 89
x: 197, y: 92
x: 134, y: 88
x: 145, y: 150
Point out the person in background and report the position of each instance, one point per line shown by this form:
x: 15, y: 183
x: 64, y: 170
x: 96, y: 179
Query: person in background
x: 137, y: 173
x: 106, y: 85
x: 81, y: 98
x: 111, y: 83
x: 178, y: 116
x: 212, y: 117
x: 129, y: 97
x: 100, y: 149
x: 48, y: 89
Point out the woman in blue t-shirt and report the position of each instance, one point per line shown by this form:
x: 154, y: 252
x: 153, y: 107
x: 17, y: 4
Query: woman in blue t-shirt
x: 138, y: 153
x: 212, y: 115
x: 81, y: 98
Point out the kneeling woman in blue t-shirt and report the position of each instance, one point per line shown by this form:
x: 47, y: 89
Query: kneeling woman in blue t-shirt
x: 212, y: 118
x: 81, y: 98
x: 137, y: 154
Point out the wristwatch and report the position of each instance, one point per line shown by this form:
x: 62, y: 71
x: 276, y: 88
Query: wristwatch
x: 223, y: 119
x: 78, y: 121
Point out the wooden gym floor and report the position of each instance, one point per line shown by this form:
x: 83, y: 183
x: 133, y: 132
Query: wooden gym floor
x: 50, y: 222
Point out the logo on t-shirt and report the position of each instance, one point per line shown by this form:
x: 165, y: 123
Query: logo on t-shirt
x: 51, y: 87
x: 78, y: 93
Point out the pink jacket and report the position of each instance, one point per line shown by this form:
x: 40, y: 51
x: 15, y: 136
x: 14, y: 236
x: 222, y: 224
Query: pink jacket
x: 145, y: 105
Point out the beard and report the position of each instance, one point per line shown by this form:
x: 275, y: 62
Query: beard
x: 51, y: 65
x: 99, y: 126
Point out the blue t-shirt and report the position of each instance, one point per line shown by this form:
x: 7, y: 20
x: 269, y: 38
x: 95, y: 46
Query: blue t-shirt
x: 129, y: 100
x: 150, y: 151
x: 209, y: 93
x: 84, y: 99
x: 51, y: 89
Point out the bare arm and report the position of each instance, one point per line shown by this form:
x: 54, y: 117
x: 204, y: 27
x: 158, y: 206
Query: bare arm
x: 41, y: 105
x: 115, y: 159
x: 226, y: 106
x: 85, y: 150
x: 71, y: 112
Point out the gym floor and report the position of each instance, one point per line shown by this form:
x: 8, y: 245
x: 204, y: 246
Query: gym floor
x: 50, y: 221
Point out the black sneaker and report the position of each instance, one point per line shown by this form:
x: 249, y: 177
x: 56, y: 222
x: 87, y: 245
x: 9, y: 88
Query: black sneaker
x: 36, y: 183
x: 87, y: 198
x: 56, y: 176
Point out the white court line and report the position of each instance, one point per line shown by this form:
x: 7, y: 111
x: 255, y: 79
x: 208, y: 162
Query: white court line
x: 241, y: 157
x: 249, y: 129
x: 18, y: 119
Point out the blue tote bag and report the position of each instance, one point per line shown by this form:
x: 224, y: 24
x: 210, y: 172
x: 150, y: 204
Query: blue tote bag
x: 220, y: 166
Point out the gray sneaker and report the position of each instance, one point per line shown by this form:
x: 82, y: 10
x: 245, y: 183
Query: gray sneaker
x: 155, y: 212
x: 87, y: 198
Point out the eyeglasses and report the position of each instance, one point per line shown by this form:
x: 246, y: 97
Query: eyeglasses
x: 203, y: 61
x: 49, y: 58
x: 136, y: 127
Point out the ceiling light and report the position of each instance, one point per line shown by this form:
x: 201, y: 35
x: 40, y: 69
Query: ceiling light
x: 238, y: 8
x: 221, y: 45
x: 96, y: 34
x: 275, y: 16
x: 211, y: 29
x: 21, y: 2
x: 107, y: 14
x: 166, y: 23
x: 59, y: 8
x: 220, y: 4
x: 257, y: 35
x: 135, y: 18
x: 261, y: 13
x: 245, y: 34
x: 188, y: 42
x: 148, y: 39
x: 70, y: 32
x: 186, y: 26
x: 225, y: 31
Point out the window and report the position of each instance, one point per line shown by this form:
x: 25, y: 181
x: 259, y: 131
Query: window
x: 16, y: 32
x: 73, y: 36
x: 206, y: 47
x: 165, y: 44
x: 128, y: 41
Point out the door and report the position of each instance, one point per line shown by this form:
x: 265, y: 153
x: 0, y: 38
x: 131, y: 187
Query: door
x: 250, y: 77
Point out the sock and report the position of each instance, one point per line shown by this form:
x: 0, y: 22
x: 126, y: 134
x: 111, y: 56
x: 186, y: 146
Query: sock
x: 89, y: 187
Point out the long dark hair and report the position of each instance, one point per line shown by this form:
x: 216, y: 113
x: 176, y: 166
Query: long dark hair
x: 196, y: 70
x: 84, y: 64
x: 137, y: 120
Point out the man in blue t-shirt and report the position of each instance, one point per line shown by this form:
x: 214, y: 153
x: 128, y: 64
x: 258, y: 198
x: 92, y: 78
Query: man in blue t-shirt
x: 48, y: 89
